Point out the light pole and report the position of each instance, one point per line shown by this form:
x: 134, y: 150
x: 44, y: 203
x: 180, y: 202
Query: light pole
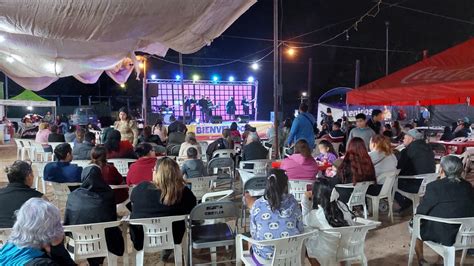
x: 275, y: 78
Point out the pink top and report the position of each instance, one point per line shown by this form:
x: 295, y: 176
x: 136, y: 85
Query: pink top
x: 42, y: 136
x: 298, y: 167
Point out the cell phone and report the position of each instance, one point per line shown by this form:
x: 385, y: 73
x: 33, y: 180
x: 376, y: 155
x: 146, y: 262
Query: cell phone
x: 309, y: 187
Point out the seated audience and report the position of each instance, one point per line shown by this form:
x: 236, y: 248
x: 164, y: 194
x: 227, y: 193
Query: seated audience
x: 165, y: 195
x: 355, y: 167
x: 387, y: 131
x: 176, y: 126
x: 149, y: 138
x: 80, y: 135
x: 160, y: 130
x: 221, y: 143
x: 94, y: 202
x: 301, y: 164
x: 110, y: 174
x: 416, y: 159
x: 254, y: 149
x: 190, y: 141
x: 62, y: 171
x: 383, y: 160
x: 70, y: 135
x: 247, y: 129
x: 18, y: 191
x: 235, y: 133
x: 142, y: 169
x: 463, y: 130
x: 336, y: 132
x: 54, y: 136
x: 82, y: 151
x: 43, y: 133
x: 324, y: 131
x: 37, y: 237
x: 117, y: 148
x: 266, y: 219
x: 447, y: 134
x: 193, y: 166
x: 327, y: 154
x: 448, y: 197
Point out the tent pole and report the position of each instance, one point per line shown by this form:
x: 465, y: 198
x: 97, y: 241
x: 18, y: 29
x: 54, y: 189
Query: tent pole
x: 144, y: 102
x: 275, y: 79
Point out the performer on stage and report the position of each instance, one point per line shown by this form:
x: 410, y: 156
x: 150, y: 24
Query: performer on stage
x: 203, y: 104
x: 246, y: 105
x: 210, y: 106
x: 230, y: 108
x: 187, y: 104
x: 192, y: 109
x: 163, y: 106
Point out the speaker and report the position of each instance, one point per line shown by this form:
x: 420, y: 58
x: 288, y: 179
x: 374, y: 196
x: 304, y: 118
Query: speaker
x: 216, y: 119
x: 244, y: 119
x: 152, y: 90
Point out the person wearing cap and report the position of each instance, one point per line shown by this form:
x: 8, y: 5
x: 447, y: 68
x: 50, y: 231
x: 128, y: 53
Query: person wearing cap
x: 375, y: 122
x: 416, y: 159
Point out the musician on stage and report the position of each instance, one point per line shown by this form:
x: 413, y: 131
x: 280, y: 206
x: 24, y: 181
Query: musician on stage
x: 210, y: 106
x: 203, y: 104
x: 163, y: 106
x: 230, y: 108
x: 246, y: 105
x: 192, y: 108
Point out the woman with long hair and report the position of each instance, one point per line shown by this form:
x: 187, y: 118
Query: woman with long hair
x: 234, y: 132
x: 189, y: 141
x: 301, y: 164
x: 166, y: 195
x: 383, y: 159
x: 275, y: 215
x: 160, y: 130
x: 327, y: 153
x: 356, y: 167
x: 127, y: 127
x: 117, y: 148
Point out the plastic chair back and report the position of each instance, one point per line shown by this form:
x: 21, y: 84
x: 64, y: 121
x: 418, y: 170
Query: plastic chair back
x: 228, y: 153
x: 4, y: 235
x: 121, y: 165
x: 201, y: 185
x: 214, y: 210
x: 358, y: 194
x: 427, y: 178
x: 221, y: 165
x: 255, y: 185
x: 256, y: 166
x: 40, y: 169
x: 298, y: 188
x: 387, y: 187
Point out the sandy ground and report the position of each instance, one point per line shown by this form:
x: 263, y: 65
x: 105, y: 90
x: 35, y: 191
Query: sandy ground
x: 387, y: 245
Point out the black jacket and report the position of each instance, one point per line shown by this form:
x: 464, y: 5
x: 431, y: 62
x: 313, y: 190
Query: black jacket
x: 254, y: 151
x: 55, y: 137
x: 445, y: 198
x: 375, y: 126
x: 94, y: 202
x: 12, y: 197
x: 177, y: 126
x: 146, y: 203
x: 416, y: 159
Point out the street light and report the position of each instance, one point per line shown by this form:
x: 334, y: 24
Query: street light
x: 122, y: 85
x: 291, y: 51
x: 255, y: 66
x: 304, y: 94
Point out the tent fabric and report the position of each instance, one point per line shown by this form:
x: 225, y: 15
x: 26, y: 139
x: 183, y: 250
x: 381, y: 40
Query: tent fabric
x: 445, y: 78
x: 43, y: 40
x: 334, y: 91
x: 28, y: 95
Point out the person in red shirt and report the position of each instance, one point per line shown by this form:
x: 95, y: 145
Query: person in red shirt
x: 117, y: 148
x: 110, y: 174
x: 142, y: 169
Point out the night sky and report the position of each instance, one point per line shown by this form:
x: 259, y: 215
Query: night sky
x: 410, y: 33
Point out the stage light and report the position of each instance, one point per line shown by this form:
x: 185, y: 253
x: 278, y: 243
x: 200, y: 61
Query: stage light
x: 29, y: 108
x: 231, y: 78
x: 2, y: 38
x: 153, y: 76
x: 141, y: 65
x: 255, y: 66
x: 195, y: 77
x: 122, y: 85
x: 10, y: 59
x: 304, y: 94
x: 215, y: 78
x: 291, y: 51
x: 177, y: 77
x: 251, y: 79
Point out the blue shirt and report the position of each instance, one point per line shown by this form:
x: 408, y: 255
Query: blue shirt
x: 62, y: 172
x: 266, y: 224
x: 302, y: 128
x: 13, y: 255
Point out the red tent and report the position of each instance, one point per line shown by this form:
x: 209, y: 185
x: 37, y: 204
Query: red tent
x: 446, y: 78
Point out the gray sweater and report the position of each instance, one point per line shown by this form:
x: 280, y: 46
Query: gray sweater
x: 363, y: 133
x: 193, y: 168
x: 383, y: 163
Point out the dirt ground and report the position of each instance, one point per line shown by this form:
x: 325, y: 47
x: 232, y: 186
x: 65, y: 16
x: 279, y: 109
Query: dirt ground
x: 386, y: 245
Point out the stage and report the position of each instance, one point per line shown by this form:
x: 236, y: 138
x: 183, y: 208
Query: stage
x: 206, y: 131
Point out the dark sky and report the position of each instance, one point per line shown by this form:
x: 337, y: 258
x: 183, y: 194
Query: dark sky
x: 411, y: 32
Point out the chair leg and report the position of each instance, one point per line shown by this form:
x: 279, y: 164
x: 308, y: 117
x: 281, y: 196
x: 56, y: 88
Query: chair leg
x: 364, y: 260
x: 178, y: 255
x: 111, y: 259
x: 463, y: 257
x: 449, y: 257
x: 43, y: 184
x: 365, y: 211
x: 416, y: 201
x: 213, y: 256
x: 411, y: 249
x: 390, y: 209
x: 375, y: 208
x: 139, y: 257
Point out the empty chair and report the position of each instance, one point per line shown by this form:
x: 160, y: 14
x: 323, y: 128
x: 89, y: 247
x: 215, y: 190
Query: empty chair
x: 358, y: 194
x: 158, y: 236
x: 89, y: 241
x: 464, y: 239
x: 334, y: 245
x: 385, y: 193
x: 212, y: 235
x: 298, y: 188
x: 202, y: 185
x: 40, y: 169
x: 19, y: 147
x: 39, y: 154
x: 415, y: 197
x: 287, y: 250
x: 223, y: 167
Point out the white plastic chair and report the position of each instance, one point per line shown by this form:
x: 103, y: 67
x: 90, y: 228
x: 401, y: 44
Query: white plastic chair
x: 358, y: 195
x: 334, y: 245
x: 40, y: 168
x: 19, y: 148
x: 415, y: 197
x: 385, y: 192
x: 298, y: 188
x: 4, y: 235
x: 61, y: 192
x: 89, y: 241
x: 224, y: 167
x: 223, y: 153
x: 54, y: 144
x: 204, y: 146
x: 81, y: 163
x: 27, y: 150
x: 217, y: 195
x: 464, y: 238
x: 121, y: 165
x: 38, y: 150
x: 287, y: 250
x: 158, y: 236
x: 202, y: 185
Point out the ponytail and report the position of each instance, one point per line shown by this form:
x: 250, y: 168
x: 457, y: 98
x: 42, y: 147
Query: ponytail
x: 276, y: 188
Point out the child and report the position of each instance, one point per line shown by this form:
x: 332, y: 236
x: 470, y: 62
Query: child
x: 327, y: 152
x: 193, y: 167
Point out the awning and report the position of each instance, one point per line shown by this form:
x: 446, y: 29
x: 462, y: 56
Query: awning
x: 445, y: 78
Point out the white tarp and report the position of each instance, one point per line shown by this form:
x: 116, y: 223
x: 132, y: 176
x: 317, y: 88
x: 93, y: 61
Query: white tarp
x: 43, y: 40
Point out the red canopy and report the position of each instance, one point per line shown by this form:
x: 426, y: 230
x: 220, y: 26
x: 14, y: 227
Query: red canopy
x: 446, y: 78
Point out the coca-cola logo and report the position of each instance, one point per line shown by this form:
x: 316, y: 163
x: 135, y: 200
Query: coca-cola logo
x: 436, y: 74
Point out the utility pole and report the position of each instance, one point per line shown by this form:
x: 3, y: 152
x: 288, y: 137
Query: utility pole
x: 275, y: 145
x: 144, y: 102
x: 357, y: 74
x: 387, y: 24
x: 182, y: 84
x: 310, y: 80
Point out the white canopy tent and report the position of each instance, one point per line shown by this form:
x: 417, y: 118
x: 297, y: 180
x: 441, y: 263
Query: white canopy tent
x: 43, y: 40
